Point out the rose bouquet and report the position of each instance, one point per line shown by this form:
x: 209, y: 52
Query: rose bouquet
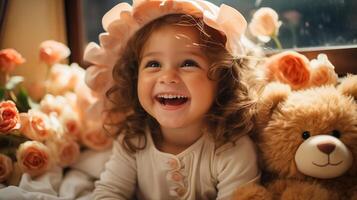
x: 36, y: 136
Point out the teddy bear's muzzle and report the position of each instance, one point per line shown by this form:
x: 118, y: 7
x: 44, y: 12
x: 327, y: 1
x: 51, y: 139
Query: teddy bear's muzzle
x: 323, y: 156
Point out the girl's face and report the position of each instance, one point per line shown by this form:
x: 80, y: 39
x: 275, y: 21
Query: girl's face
x: 173, y: 86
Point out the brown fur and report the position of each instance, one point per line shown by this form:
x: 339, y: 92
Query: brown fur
x: 282, y: 117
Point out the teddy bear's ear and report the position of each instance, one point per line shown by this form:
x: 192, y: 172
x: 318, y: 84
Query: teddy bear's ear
x: 348, y: 86
x: 272, y: 95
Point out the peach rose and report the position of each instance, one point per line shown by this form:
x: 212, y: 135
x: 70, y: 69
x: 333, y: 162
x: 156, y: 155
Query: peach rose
x: 9, y: 117
x: 9, y: 58
x: 71, y: 123
x: 289, y: 67
x: 34, y: 158
x: 52, y: 52
x: 84, y: 100
x: 6, y: 167
x: 66, y: 150
x: 265, y: 24
x: 322, y: 71
x: 36, y: 125
x: 53, y: 104
x: 58, y: 81
x: 95, y: 137
x: 64, y: 78
x: 77, y: 76
x: 72, y: 99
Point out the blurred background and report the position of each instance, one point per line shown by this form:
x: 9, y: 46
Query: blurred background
x: 306, y: 23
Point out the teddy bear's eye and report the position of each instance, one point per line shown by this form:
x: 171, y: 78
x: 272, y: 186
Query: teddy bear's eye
x: 305, y: 135
x: 336, y: 133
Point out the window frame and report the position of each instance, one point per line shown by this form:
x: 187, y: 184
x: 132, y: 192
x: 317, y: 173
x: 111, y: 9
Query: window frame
x: 342, y: 57
x: 75, y: 31
x: 3, y: 6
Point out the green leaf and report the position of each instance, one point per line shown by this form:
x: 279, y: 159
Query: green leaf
x: 13, y: 82
x: 9, y: 143
x: 22, y: 102
x: 2, y: 93
x: 13, y: 139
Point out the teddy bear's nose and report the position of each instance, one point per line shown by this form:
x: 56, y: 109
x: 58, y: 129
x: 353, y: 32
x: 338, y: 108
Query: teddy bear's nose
x: 326, y: 148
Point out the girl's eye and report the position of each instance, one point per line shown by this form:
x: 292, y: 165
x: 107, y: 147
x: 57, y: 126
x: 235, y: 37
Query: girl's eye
x: 153, y: 64
x: 190, y: 63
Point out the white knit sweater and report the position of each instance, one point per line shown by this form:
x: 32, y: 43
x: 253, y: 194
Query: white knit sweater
x: 200, y: 172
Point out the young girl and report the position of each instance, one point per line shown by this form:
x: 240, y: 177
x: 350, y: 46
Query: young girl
x: 187, y: 114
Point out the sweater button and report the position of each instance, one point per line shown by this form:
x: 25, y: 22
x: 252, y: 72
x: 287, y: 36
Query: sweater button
x: 173, y: 163
x: 180, y: 191
x: 176, y: 176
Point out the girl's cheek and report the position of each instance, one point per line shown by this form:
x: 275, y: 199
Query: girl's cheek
x: 145, y: 80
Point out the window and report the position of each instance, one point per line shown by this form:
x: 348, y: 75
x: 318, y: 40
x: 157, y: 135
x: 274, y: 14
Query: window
x: 308, y: 23
x: 310, y: 27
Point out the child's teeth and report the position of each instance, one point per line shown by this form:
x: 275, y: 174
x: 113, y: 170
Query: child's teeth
x: 170, y: 96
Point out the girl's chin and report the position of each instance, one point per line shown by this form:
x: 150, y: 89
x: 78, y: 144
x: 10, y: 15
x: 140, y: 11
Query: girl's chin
x: 173, y: 124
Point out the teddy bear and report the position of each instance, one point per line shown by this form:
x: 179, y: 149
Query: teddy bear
x: 307, y: 143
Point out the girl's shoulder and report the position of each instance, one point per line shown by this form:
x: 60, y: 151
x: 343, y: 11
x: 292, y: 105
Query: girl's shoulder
x: 241, y: 145
x: 234, y: 158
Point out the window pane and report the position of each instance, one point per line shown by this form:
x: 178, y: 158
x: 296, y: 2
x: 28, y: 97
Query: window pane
x: 93, y: 11
x: 306, y: 23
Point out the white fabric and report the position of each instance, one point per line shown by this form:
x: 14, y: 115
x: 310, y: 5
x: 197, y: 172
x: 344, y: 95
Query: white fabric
x: 76, y: 183
x: 206, y: 172
x: 92, y: 162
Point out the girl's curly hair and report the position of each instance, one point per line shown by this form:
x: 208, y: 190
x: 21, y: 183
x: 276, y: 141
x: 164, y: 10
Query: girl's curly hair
x: 231, y: 114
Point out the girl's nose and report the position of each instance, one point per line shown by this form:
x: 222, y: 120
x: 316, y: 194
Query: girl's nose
x: 169, y: 76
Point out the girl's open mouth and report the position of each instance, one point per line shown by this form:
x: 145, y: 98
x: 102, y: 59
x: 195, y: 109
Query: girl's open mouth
x: 171, y: 100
